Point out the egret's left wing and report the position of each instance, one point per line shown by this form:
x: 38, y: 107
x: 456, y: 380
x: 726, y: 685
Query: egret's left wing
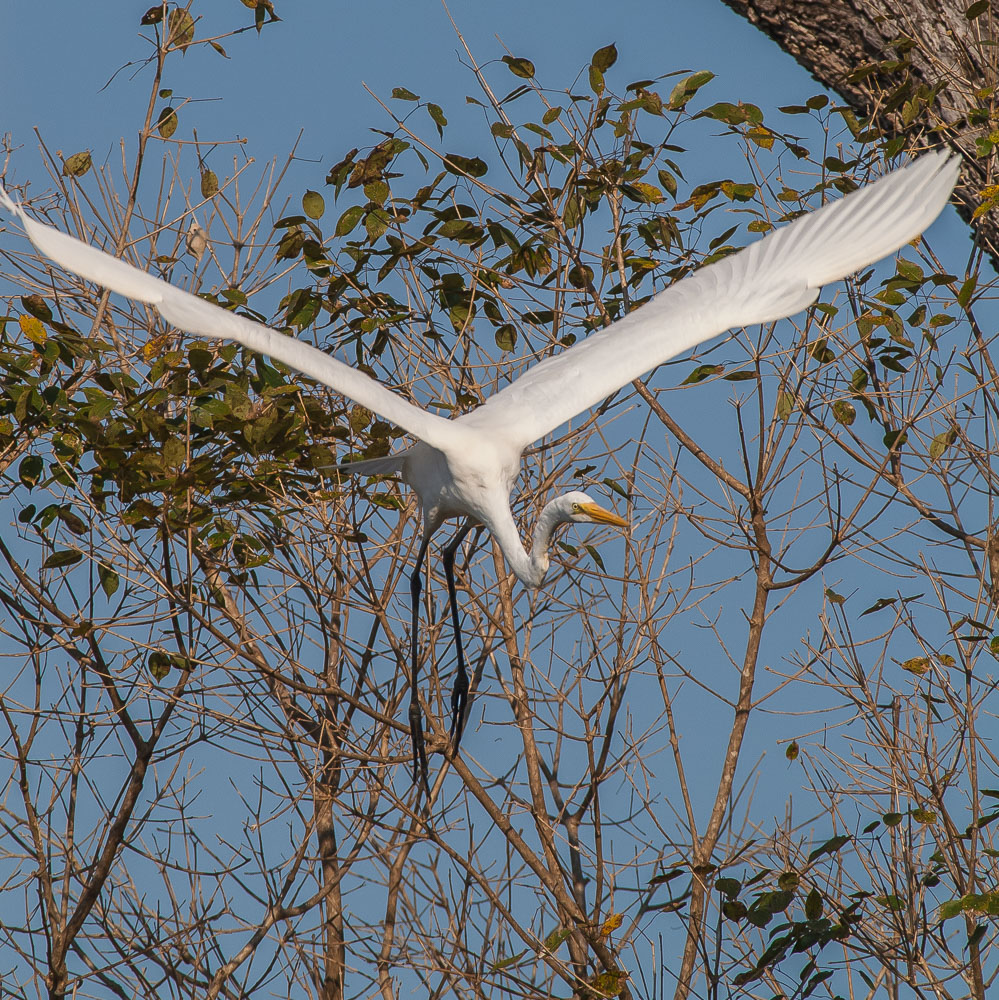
x: 774, y: 277
x: 205, y: 319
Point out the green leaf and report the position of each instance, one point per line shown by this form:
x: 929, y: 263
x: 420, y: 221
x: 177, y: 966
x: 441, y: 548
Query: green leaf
x: 472, y: 166
x: 507, y: 962
x: 966, y: 291
x: 556, y: 938
x: 64, y: 557
x: 37, y: 306
x: 833, y: 597
x: 941, y: 442
x: 604, y: 58
x: 701, y: 372
x: 879, y: 605
x: 792, y: 751
x: 349, y: 220
x: 438, y: 116
x: 519, y: 66
x: 506, y: 337
x: 402, y: 94
x: 647, y: 194
x: 181, y: 31
x: 788, y: 881
x: 209, y: 184
x: 892, y: 902
x: 844, y: 412
x: 895, y: 439
x: 609, y: 984
x: 978, y: 8
x: 910, y: 270
x: 313, y: 204
x: 831, y: 846
x: 166, y: 123
x: 687, y: 87
x: 108, y: 578
x: 30, y: 470
x: 77, y: 164
x: 813, y: 905
x: 728, y: 886
x: 159, y: 664
x: 785, y: 405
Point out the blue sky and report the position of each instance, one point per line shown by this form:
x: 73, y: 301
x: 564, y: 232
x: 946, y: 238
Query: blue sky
x: 309, y: 71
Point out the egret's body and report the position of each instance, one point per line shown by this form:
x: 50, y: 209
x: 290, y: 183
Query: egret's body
x: 467, y: 467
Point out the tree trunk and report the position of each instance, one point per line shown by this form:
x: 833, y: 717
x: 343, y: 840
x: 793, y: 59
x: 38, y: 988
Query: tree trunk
x: 919, y: 69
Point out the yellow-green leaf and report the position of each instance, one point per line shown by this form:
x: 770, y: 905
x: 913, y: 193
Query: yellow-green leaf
x: 349, y: 220
x: 844, y: 412
x: 209, y: 184
x: 313, y: 204
x: 519, y: 66
x: 941, y: 442
x: 604, y: 58
x: 166, y: 122
x: 181, y: 28
x: 77, y: 164
x: 32, y: 328
x: 687, y: 87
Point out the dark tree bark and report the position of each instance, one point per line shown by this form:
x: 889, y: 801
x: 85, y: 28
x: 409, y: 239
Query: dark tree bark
x: 922, y: 69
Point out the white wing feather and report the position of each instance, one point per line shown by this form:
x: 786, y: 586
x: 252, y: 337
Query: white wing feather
x: 772, y: 278
x: 205, y: 319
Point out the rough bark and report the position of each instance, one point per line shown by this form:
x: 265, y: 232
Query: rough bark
x: 921, y: 69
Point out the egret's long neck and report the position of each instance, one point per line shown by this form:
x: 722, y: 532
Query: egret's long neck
x: 530, y: 568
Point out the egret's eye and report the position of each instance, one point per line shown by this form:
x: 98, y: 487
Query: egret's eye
x: 575, y: 506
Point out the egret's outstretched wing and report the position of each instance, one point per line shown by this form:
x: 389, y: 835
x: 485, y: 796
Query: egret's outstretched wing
x: 772, y: 278
x: 205, y: 319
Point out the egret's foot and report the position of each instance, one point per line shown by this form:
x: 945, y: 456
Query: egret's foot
x: 420, y: 771
x: 459, y: 702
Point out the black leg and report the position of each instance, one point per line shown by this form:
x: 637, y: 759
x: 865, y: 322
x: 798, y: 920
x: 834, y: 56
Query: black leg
x: 459, y: 694
x: 415, y: 715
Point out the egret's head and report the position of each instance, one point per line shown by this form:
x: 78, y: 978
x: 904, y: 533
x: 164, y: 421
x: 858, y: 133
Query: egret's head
x: 581, y: 508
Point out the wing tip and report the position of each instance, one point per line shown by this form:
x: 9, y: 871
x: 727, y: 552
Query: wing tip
x: 8, y: 203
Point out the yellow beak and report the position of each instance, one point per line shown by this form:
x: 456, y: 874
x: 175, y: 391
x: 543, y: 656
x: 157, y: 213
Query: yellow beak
x: 601, y: 516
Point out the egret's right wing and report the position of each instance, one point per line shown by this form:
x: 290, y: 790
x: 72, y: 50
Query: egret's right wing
x: 205, y: 319
x: 774, y: 277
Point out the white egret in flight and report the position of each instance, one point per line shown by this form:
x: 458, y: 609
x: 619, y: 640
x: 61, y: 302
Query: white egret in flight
x: 466, y: 467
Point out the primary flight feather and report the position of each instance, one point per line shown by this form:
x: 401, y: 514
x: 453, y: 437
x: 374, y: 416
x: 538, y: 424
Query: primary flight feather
x: 466, y: 467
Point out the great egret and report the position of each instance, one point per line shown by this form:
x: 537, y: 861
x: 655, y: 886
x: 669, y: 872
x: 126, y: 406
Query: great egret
x: 466, y: 467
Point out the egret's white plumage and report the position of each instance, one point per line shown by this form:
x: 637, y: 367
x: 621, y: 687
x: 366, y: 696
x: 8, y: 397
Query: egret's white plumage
x: 466, y: 467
